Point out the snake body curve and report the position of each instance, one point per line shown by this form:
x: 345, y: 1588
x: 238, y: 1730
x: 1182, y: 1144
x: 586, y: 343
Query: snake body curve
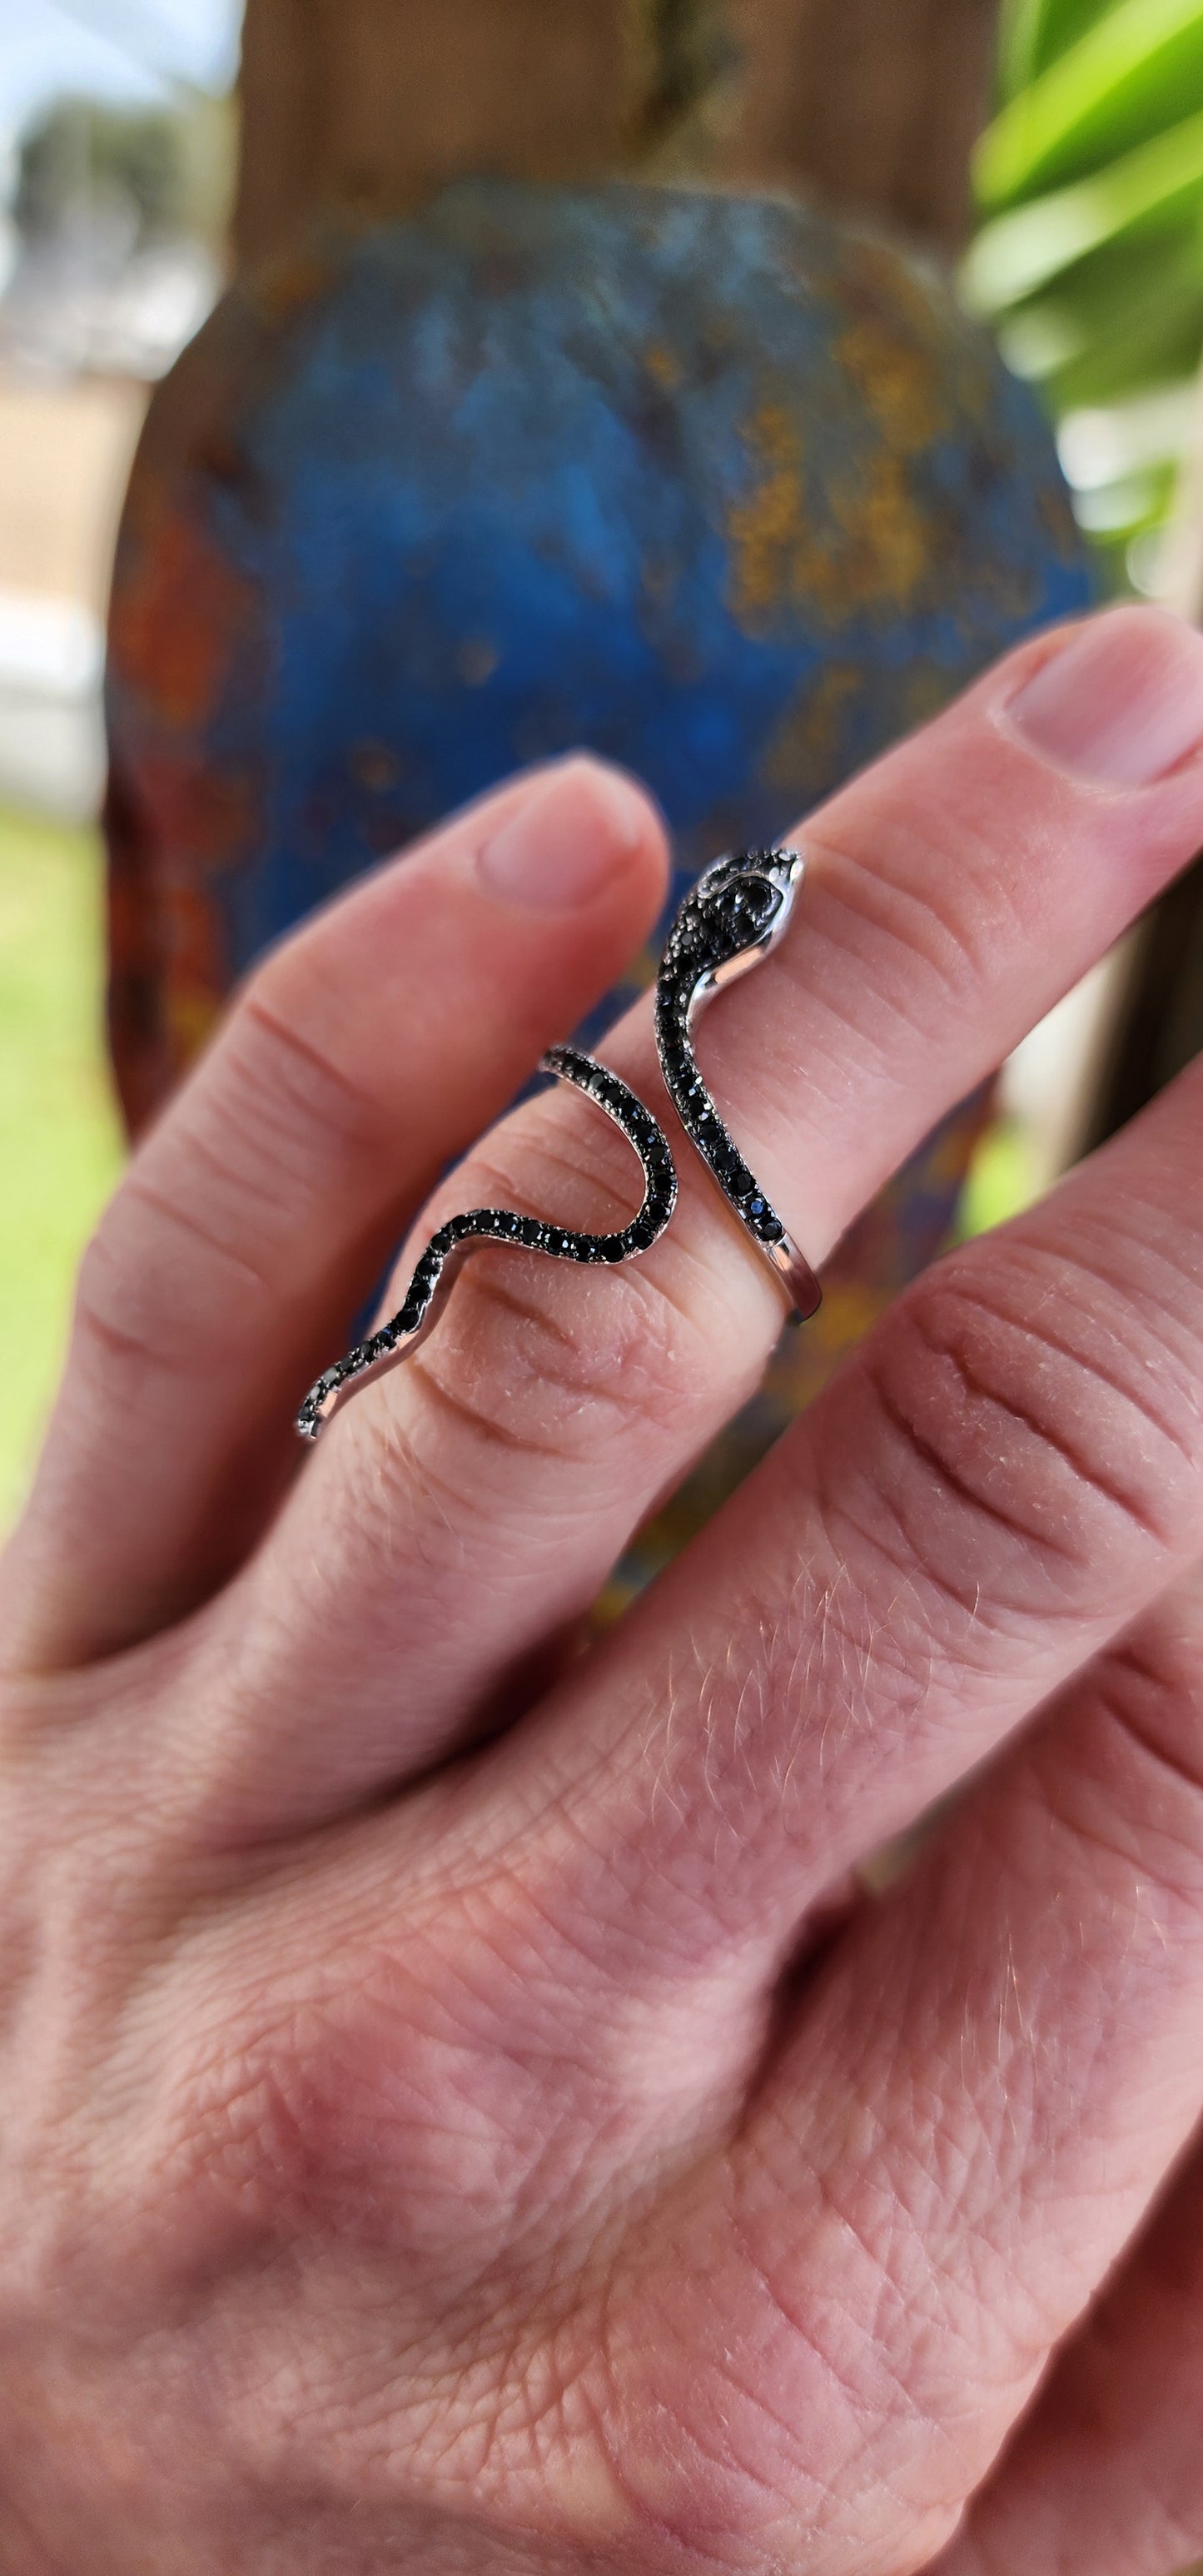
x: 428, y: 1288
x: 727, y: 924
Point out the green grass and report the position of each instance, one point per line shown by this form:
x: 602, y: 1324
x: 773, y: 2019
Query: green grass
x: 60, y: 1140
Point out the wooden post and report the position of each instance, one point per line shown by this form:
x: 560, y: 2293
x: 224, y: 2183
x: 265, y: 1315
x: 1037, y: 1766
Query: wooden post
x: 370, y: 106
x: 871, y: 106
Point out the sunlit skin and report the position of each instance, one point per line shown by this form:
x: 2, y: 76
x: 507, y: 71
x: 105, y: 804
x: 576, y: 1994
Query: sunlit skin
x: 459, y: 2112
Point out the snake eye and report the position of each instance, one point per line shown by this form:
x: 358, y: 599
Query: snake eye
x: 746, y: 908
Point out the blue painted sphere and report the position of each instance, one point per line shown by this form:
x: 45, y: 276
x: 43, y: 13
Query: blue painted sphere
x: 717, y: 486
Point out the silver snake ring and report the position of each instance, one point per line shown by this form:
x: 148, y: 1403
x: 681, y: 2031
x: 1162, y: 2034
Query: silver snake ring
x: 728, y: 922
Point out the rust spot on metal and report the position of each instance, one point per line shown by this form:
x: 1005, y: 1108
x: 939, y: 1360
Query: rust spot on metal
x: 664, y: 366
x: 897, y: 383
x: 175, y: 619
x: 768, y: 530
x: 873, y: 545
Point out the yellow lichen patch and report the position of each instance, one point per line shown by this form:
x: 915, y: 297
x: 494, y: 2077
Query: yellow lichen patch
x: 802, y: 752
x: 896, y: 381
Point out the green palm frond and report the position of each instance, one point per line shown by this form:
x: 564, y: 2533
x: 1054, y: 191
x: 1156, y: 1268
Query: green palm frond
x: 1089, y: 262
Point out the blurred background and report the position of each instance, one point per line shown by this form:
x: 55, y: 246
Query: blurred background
x: 118, y: 129
x: 720, y: 382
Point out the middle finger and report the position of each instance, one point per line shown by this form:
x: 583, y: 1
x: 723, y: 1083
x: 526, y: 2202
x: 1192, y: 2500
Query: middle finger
x: 471, y: 1503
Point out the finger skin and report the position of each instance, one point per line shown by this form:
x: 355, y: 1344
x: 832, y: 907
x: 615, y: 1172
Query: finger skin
x: 951, y: 2142
x: 849, y: 2239
x: 1007, y: 1473
x: 258, y: 1214
x: 473, y: 1502
x: 1105, y: 2477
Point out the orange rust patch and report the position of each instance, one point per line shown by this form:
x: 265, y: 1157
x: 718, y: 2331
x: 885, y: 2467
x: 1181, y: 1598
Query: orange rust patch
x: 664, y: 365
x: 873, y: 546
x: 768, y: 530
x: 178, y: 662
x: 203, y: 818
x: 886, y: 541
x: 896, y: 381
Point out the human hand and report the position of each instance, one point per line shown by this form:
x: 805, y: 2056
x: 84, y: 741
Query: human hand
x: 428, y: 2140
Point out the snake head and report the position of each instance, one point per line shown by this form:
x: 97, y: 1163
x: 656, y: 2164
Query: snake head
x: 745, y: 903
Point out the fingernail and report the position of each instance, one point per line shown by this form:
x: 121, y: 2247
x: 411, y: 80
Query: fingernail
x: 1122, y: 702
x: 569, y: 835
